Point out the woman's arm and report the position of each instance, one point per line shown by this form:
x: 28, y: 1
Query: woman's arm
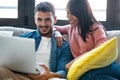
x: 62, y: 29
x: 59, y: 30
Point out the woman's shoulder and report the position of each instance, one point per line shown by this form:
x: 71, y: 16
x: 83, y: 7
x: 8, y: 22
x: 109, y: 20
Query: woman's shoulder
x: 96, y: 26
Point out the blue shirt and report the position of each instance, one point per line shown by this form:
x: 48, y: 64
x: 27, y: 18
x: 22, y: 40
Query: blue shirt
x: 59, y: 56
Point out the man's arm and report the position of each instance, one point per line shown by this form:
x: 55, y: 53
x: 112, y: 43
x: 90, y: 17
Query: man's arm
x: 64, y: 58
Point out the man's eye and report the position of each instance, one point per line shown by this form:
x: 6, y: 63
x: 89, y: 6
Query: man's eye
x: 39, y: 19
x: 48, y: 19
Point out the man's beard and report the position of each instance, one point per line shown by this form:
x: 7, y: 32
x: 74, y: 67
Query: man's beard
x: 45, y: 34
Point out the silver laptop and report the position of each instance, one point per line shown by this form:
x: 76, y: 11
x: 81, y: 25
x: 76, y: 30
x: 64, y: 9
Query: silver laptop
x: 18, y: 54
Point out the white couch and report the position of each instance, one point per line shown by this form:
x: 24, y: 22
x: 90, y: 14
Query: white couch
x: 112, y: 34
x: 17, y: 31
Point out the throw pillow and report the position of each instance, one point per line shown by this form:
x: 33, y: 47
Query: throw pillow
x: 96, y: 58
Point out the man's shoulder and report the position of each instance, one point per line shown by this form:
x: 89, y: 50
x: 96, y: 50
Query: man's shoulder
x: 28, y: 34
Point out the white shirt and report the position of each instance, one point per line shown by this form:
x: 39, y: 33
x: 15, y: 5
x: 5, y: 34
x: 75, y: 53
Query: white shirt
x: 43, y: 51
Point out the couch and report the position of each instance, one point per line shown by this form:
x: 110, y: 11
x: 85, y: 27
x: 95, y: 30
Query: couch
x: 16, y: 31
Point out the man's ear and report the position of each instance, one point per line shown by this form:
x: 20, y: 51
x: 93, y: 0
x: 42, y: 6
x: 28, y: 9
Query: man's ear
x: 55, y: 19
x: 35, y: 20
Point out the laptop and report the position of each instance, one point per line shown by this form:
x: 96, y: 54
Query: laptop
x: 18, y: 54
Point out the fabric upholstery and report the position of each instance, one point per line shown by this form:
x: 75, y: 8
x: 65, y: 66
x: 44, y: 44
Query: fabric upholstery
x: 115, y: 33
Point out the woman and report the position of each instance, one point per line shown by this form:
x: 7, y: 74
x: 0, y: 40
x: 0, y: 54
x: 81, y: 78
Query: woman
x: 85, y: 33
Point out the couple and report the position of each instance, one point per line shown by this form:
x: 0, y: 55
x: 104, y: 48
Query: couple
x: 82, y: 22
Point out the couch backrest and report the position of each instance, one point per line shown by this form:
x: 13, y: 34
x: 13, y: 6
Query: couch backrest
x: 115, y: 33
x: 18, y: 31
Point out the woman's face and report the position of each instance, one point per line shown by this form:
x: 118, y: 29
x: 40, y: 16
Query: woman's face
x: 72, y: 19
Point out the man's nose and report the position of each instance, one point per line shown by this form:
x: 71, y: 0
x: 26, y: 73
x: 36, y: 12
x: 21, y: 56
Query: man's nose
x: 43, y: 23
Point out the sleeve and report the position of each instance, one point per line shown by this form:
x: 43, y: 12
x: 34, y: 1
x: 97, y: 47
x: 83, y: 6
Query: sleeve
x: 62, y: 29
x: 64, y: 57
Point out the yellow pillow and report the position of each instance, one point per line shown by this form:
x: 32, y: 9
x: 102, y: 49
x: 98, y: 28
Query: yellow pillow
x: 96, y: 58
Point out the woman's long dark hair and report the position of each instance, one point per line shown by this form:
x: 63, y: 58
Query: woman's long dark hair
x: 82, y: 10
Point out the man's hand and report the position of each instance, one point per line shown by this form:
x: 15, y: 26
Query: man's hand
x: 42, y: 76
x: 45, y: 75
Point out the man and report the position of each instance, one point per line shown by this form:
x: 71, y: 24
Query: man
x: 57, y: 57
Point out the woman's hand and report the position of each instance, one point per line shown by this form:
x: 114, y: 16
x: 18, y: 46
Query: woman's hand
x: 59, y: 41
x: 58, y: 38
x: 69, y: 64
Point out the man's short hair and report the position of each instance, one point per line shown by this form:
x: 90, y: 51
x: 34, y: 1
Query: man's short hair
x: 45, y: 7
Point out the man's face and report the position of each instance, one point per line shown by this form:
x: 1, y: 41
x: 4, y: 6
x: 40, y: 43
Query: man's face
x: 44, y: 22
